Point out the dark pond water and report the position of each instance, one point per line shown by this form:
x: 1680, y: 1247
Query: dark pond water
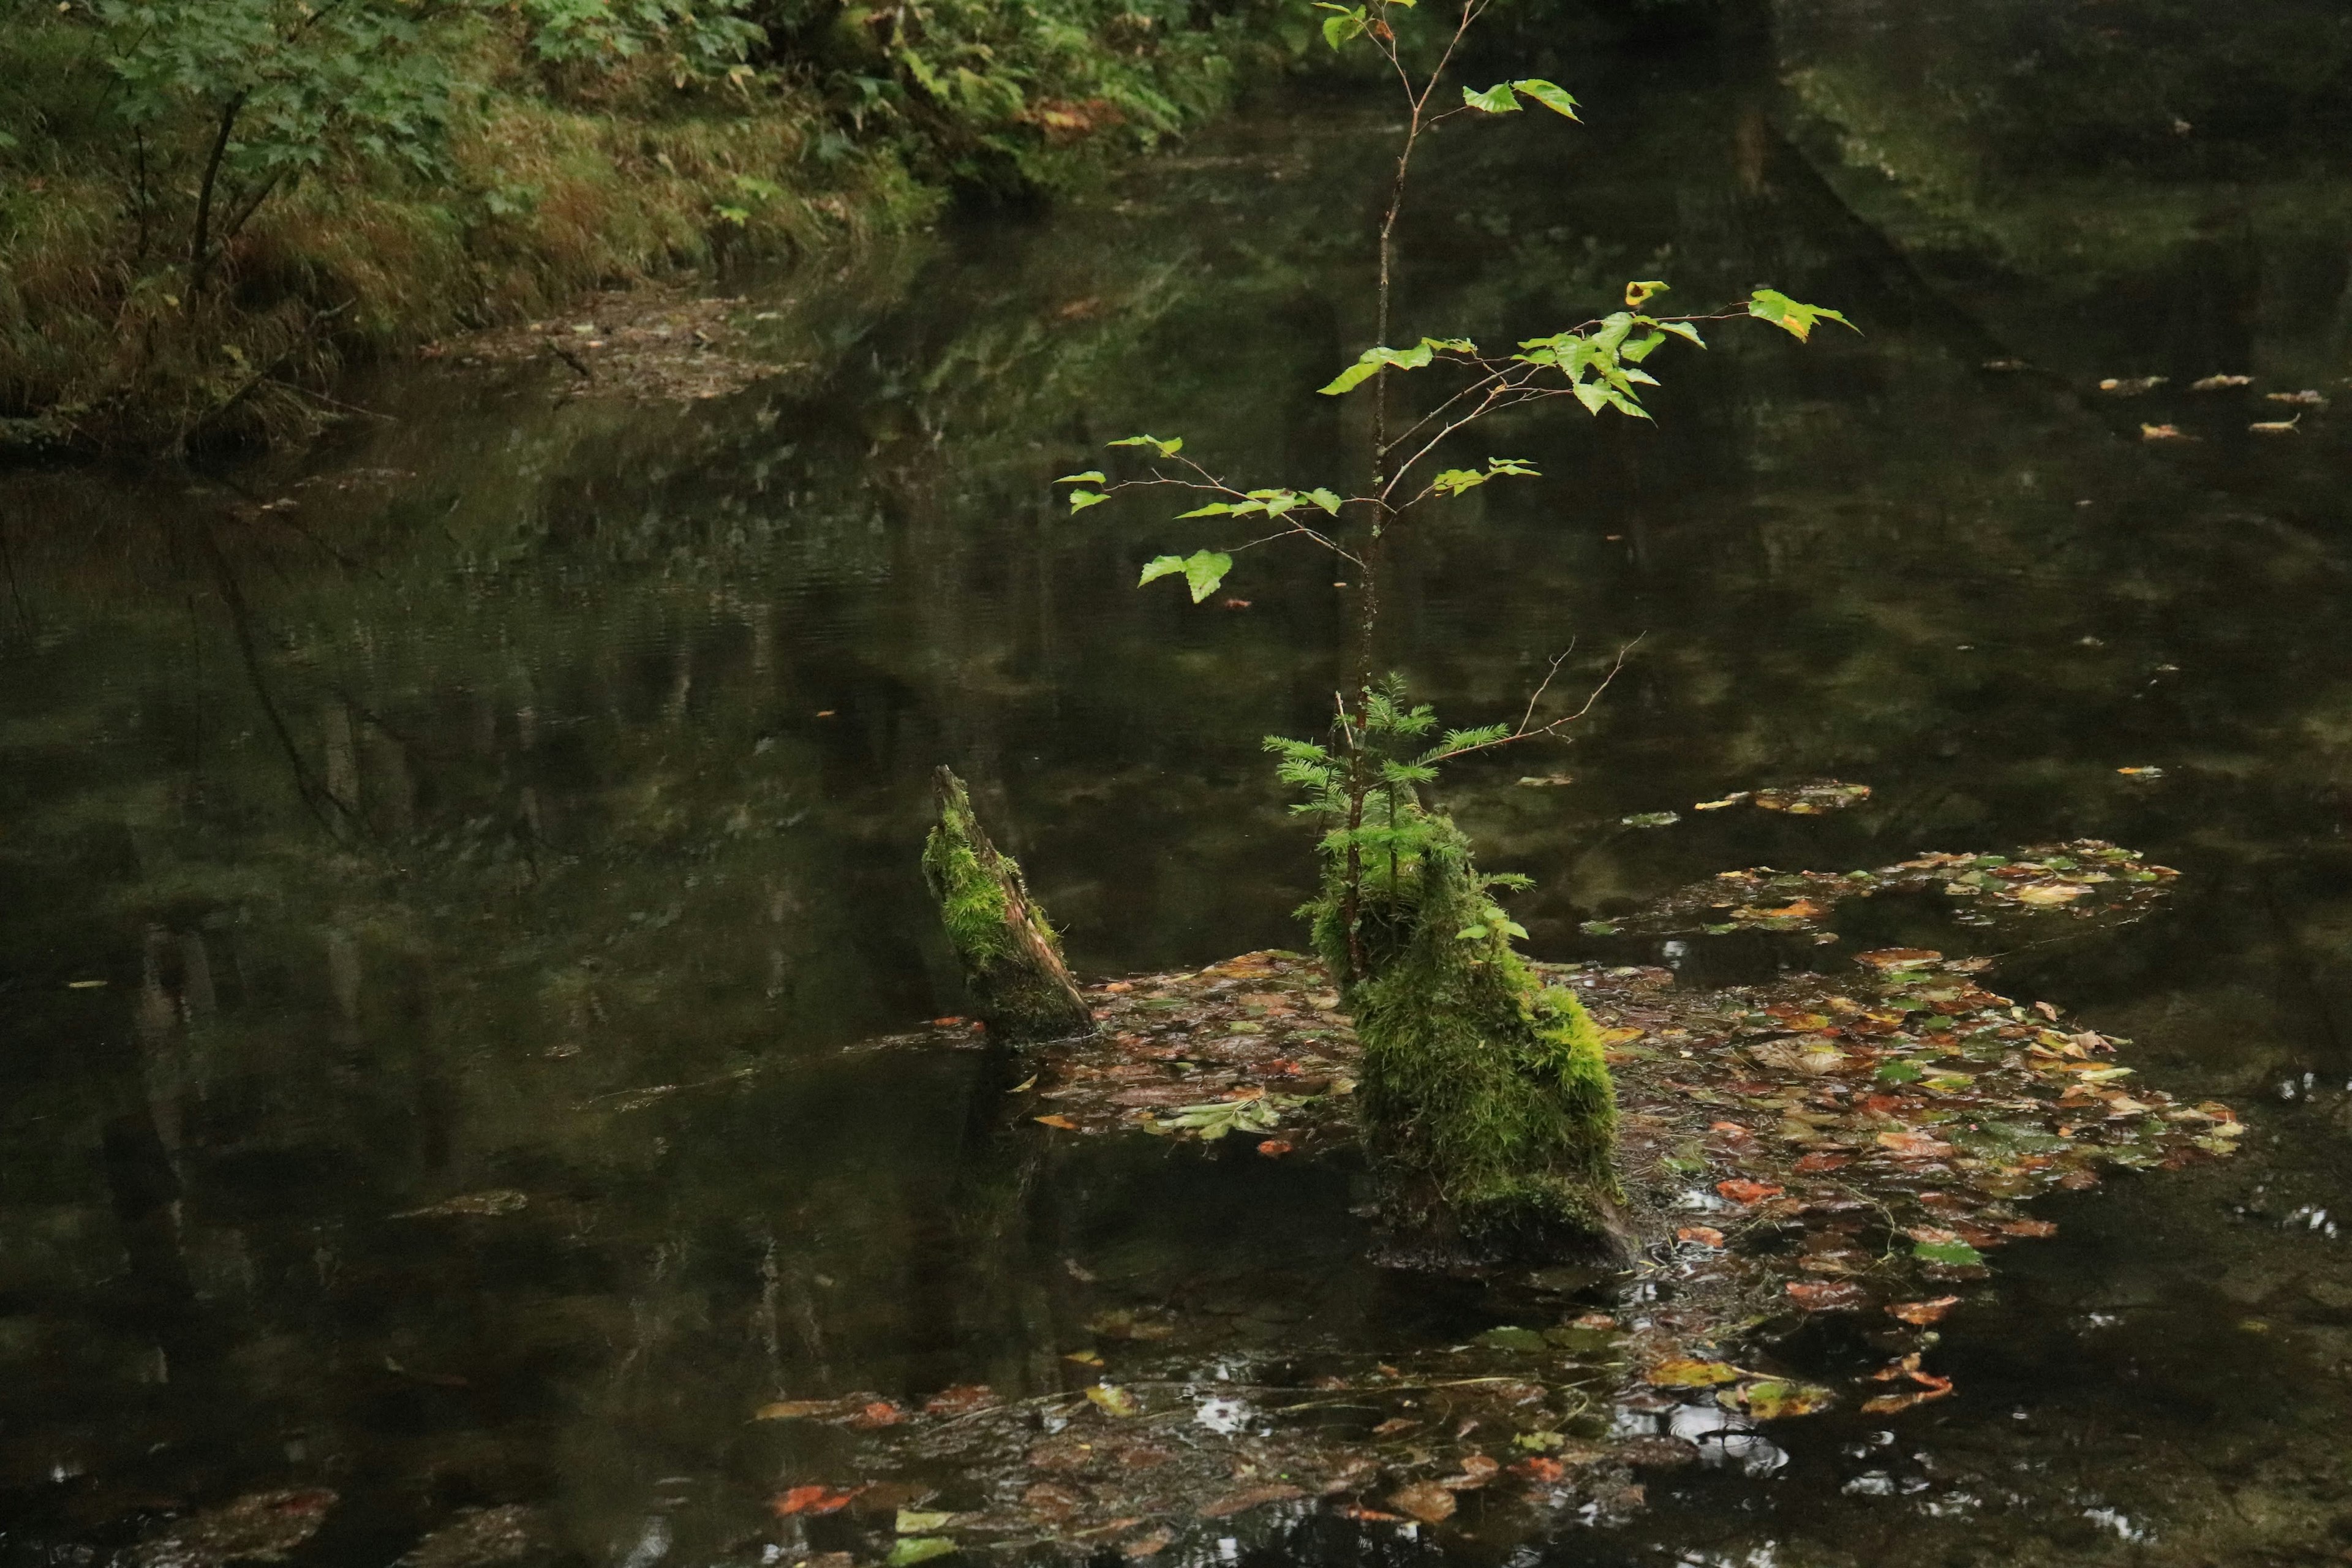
x: 381, y: 850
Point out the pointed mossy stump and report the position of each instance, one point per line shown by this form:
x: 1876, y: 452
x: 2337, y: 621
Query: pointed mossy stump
x: 1012, y: 961
x: 1484, y: 1098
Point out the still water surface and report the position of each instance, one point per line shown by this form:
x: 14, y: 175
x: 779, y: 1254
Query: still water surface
x: 545, y: 753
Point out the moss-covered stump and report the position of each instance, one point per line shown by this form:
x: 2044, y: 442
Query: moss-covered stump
x: 1012, y: 961
x: 1484, y: 1099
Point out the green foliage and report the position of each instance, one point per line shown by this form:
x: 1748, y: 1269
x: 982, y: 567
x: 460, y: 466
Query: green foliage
x: 1201, y: 571
x: 1797, y: 319
x: 693, y: 39
x: 1379, y: 836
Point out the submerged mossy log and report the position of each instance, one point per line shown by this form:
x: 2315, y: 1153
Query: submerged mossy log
x: 1485, y: 1099
x: 1012, y: 961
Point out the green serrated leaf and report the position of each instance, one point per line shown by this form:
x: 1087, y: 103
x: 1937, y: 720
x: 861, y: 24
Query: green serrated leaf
x: 1215, y: 509
x: 1091, y: 476
x: 1167, y: 446
x: 1497, y: 99
x: 1325, y: 499
x: 1160, y: 566
x: 1470, y: 933
x: 1640, y: 294
x: 1550, y: 96
x: 1790, y: 316
x: 1339, y: 31
x: 1453, y: 481
x: 1204, y: 571
x: 1081, y: 499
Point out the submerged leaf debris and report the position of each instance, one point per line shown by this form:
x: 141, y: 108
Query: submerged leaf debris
x: 1852, y: 1145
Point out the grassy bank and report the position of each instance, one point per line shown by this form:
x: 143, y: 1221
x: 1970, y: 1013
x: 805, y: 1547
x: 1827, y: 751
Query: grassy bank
x: 207, y: 206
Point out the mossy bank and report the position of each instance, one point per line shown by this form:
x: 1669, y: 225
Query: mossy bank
x: 207, y: 206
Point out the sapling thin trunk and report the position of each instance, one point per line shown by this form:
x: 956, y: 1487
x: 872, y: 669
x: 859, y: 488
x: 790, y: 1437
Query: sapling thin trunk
x: 1485, y: 1100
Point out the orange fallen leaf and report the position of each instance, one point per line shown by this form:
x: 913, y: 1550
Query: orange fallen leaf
x: 959, y: 1398
x: 1704, y: 1234
x: 881, y: 1413
x: 1363, y: 1515
x: 813, y: 1499
x: 1897, y: 957
x: 1275, y: 1148
x: 1812, y: 1165
x: 1741, y: 1191
x: 948, y: 1023
x: 1922, y: 1313
x: 1540, y: 1469
x: 1912, y: 1145
x: 1425, y: 1500
x: 1064, y: 1123
x: 2036, y: 1228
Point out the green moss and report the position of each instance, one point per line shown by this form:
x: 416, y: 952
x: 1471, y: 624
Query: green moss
x: 1484, y: 1096
x: 1012, y: 958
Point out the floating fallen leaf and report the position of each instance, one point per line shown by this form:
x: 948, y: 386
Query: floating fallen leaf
x: 1113, y: 1400
x: 1363, y: 1515
x: 1811, y: 799
x: 1394, y: 1424
x: 881, y: 1413
x: 1540, y: 1470
x: 1275, y: 1148
x: 1478, y: 1469
x: 1651, y: 819
x: 2036, y: 1228
x: 2161, y: 433
x: 1732, y: 799
x: 1912, y: 1145
x: 1249, y: 1497
x: 2219, y: 383
x: 1125, y: 1323
x: 800, y: 1410
x: 2141, y: 773
x: 1922, y: 1313
x: 2048, y: 894
x: 1424, y: 1500
x: 1897, y: 957
x: 1688, y: 1372
x: 499, y: 1201
x: 2308, y: 397
x: 959, y: 1399
x: 1703, y: 1235
x: 84, y: 984
x: 813, y: 1500
x: 1084, y: 1358
x: 1147, y: 1545
x: 1024, y: 1085
x: 910, y: 1523
x: 1815, y: 1163
x: 1772, y: 1399
x: 1546, y: 781
x: 1952, y: 1254
x: 2133, y: 385
x: 1826, y: 1295
x: 2275, y: 427
x: 1064, y: 1123
x: 1740, y: 1190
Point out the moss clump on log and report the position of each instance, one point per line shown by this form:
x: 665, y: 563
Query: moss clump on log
x: 1012, y: 959
x: 1485, y: 1100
